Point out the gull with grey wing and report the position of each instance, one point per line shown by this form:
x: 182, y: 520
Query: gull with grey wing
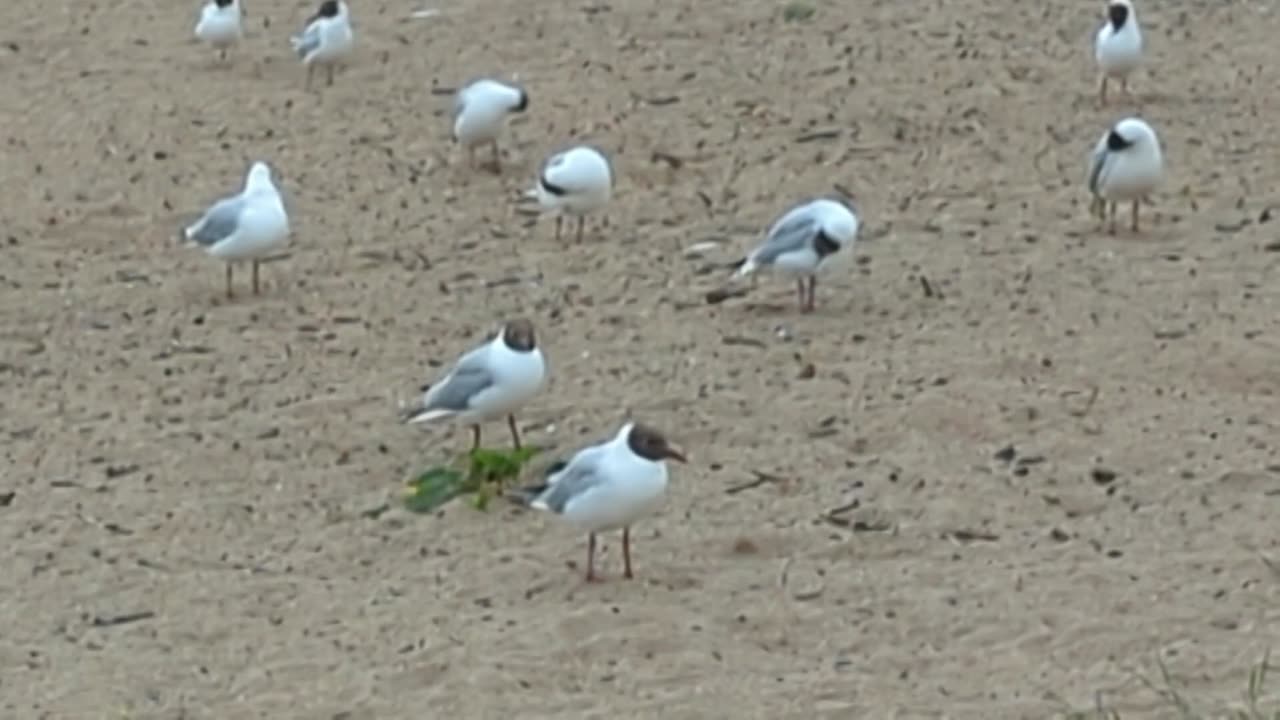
x: 326, y: 39
x: 804, y: 240
x: 488, y: 382
x: 248, y: 226
x: 1126, y: 165
x: 479, y: 111
x: 609, y: 486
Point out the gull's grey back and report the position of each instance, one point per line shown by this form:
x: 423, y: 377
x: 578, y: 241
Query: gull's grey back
x: 308, y: 41
x: 580, y: 476
x: 788, y: 235
x: 1097, y: 162
x: 220, y: 221
x: 455, y: 393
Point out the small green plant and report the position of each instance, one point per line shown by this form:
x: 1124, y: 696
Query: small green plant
x: 797, y: 11
x: 478, y: 473
x: 1252, y: 707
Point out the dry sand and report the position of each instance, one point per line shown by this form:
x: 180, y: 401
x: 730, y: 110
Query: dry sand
x: 213, y: 463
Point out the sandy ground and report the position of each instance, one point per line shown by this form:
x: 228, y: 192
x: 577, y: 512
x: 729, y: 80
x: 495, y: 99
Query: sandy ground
x: 215, y: 464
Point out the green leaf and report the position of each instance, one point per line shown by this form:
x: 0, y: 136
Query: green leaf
x: 797, y: 11
x: 482, y: 497
x: 498, y: 466
x: 476, y: 472
x: 433, y: 488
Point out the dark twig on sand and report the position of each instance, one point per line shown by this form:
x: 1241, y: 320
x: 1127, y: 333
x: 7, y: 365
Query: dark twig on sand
x: 818, y: 135
x: 809, y: 594
x: 719, y: 295
x: 968, y: 536
x: 842, y: 509
x: 125, y: 619
x: 1272, y: 565
x: 672, y: 161
x: 836, y: 516
x: 761, y: 479
x: 928, y: 288
x: 1088, y: 404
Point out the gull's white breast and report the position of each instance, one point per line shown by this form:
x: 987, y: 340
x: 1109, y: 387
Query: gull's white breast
x: 1119, y: 53
x: 586, y: 177
x: 519, y: 377
x: 263, y: 229
x: 633, y: 488
x: 1131, y: 173
x: 336, y: 40
x: 836, y: 221
x: 1130, y: 176
x: 219, y: 26
x: 486, y: 104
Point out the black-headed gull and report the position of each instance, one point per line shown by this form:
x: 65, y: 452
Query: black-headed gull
x: 609, y: 486
x: 1117, y: 47
x: 247, y: 226
x: 802, y: 241
x: 479, y: 112
x: 488, y: 382
x: 1126, y: 165
x: 219, y: 25
x: 326, y: 39
x: 575, y: 182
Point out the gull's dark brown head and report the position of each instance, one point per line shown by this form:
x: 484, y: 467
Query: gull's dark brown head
x: 519, y: 336
x: 1118, y: 14
x: 1117, y: 142
x: 650, y: 444
x: 328, y: 9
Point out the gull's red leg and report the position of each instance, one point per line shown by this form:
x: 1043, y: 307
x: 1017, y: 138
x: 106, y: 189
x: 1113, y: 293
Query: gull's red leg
x: 591, y: 558
x: 626, y: 552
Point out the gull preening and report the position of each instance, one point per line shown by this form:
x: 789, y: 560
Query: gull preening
x: 609, y: 486
x: 802, y: 241
x: 248, y: 226
x: 219, y: 25
x: 575, y: 182
x: 326, y: 39
x: 1126, y: 165
x: 488, y: 382
x: 1118, y: 46
x: 480, y: 111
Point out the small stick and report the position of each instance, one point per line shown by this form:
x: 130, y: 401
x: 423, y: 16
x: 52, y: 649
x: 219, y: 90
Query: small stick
x: 818, y: 135
x: 114, y: 620
x: 761, y: 479
x: 928, y: 288
x: 854, y: 505
x: 1088, y: 404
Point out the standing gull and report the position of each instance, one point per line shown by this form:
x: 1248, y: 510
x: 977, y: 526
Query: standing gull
x: 575, y: 182
x: 1126, y: 165
x: 326, y: 39
x: 802, y: 241
x: 609, y: 486
x: 479, y: 112
x: 219, y: 25
x: 1118, y: 46
x: 492, y: 380
x: 248, y: 226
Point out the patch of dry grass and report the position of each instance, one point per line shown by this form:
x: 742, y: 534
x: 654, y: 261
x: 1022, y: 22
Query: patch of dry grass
x: 1257, y: 703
